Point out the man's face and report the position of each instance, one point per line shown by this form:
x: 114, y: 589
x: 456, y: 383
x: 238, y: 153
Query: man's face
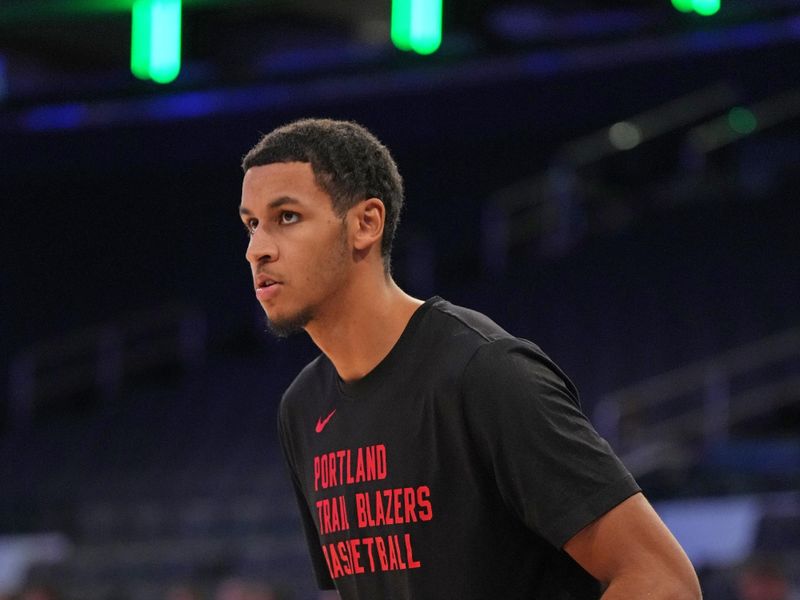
x: 298, y: 250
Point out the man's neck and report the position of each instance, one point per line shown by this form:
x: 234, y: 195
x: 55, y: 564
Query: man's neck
x: 364, y: 326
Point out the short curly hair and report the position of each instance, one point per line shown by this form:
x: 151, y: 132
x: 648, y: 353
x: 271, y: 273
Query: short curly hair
x: 349, y: 163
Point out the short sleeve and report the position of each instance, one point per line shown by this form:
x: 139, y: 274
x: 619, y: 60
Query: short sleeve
x: 551, y: 467
x: 320, y: 566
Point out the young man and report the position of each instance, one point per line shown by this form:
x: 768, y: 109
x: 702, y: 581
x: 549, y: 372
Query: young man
x: 434, y: 455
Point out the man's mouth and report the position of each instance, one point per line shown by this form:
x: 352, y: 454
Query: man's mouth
x: 263, y: 281
x: 266, y: 287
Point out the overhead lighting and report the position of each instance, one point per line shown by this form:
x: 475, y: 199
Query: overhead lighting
x: 417, y: 25
x: 156, y: 39
x: 683, y: 5
x: 742, y: 120
x: 705, y: 8
x: 625, y: 135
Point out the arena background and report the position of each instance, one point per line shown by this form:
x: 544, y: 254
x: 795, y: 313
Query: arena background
x: 615, y: 180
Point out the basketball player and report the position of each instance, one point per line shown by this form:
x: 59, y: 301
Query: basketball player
x: 433, y: 454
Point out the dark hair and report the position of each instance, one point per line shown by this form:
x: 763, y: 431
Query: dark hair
x: 349, y: 163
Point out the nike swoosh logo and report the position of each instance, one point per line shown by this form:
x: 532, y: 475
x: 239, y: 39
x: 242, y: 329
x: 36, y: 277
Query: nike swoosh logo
x: 321, y: 423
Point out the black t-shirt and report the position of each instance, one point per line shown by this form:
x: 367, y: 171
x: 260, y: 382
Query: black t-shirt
x: 456, y: 469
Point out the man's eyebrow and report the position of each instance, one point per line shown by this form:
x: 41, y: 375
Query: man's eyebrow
x: 280, y: 201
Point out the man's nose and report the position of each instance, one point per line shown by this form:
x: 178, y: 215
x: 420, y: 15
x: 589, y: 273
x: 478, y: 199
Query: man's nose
x: 262, y: 248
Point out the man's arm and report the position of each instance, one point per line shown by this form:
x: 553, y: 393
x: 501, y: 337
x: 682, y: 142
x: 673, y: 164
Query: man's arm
x: 631, y: 551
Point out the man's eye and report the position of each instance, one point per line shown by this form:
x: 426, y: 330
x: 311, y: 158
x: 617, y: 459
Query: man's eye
x: 250, y: 225
x: 287, y: 218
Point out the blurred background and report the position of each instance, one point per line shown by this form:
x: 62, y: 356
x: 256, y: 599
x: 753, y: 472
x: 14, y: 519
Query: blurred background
x: 614, y: 180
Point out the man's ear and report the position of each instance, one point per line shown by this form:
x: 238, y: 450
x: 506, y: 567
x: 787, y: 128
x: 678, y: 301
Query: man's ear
x: 368, y: 217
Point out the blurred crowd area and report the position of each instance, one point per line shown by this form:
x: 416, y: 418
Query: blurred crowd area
x: 150, y: 450
x: 758, y: 578
x: 227, y: 589
x: 174, y: 475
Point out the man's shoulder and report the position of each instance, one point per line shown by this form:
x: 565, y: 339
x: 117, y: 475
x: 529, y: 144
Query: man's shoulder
x: 460, y: 321
x: 474, y: 331
x: 496, y: 355
x: 459, y: 340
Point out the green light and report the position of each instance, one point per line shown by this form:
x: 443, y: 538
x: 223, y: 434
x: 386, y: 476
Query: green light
x: 701, y: 7
x: 156, y: 39
x: 140, y: 39
x: 742, y: 120
x: 426, y: 25
x: 706, y: 7
x: 401, y: 24
x: 683, y: 5
x: 417, y: 25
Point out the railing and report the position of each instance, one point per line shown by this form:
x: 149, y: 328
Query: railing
x: 549, y: 206
x: 655, y: 423
x: 95, y: 361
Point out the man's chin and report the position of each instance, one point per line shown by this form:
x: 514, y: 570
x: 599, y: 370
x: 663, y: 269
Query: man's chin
x: 283, y: 327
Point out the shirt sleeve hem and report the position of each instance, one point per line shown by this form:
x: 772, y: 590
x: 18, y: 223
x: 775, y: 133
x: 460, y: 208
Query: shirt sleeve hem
x: 592, y: 509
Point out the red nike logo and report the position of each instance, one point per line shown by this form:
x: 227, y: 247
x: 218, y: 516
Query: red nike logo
x: 321, y: 423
